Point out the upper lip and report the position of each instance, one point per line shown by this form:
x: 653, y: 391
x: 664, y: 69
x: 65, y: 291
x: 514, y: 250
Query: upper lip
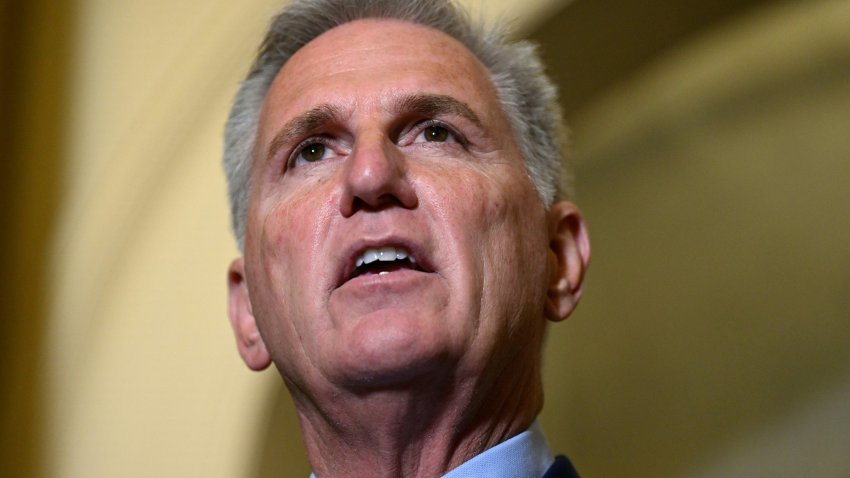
x: 356, y: 249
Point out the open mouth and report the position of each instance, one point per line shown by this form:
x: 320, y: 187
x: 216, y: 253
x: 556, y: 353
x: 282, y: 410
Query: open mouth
x: 383, y: 260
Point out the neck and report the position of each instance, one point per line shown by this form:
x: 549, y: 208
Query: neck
x: 415, y: 431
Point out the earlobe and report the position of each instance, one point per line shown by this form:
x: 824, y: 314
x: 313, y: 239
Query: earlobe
x: 569, y: 256
x: 251, y: 346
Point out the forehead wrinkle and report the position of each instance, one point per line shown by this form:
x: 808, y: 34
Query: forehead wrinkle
x: 304, y: 124
x: 431, y: 105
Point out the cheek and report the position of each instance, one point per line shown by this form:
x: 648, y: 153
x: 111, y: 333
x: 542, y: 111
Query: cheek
x: 501, y: 205
x: 286, y: 230
x: 495, y: 215
x: 290, y: 227
x: 294, y: 219
x: 511, y: 226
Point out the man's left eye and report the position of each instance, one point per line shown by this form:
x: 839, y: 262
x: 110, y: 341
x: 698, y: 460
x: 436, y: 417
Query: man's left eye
x: 436, y: 133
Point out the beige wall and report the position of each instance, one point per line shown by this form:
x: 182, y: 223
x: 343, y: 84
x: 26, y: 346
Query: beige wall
x: 144, y: 381
x: 714, y: 333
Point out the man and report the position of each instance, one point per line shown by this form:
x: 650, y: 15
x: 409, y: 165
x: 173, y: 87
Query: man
x: 395, y: 185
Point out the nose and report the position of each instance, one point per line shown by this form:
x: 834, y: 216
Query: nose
x: 376, y: 178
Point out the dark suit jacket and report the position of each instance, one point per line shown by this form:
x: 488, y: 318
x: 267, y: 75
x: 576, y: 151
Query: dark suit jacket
x: 562, y: 468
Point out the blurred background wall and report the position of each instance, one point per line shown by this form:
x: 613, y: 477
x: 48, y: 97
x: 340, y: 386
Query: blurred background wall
x: 711, y: 144
x: 35, y: 57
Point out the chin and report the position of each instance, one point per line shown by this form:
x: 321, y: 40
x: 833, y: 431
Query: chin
x: 386, y: 351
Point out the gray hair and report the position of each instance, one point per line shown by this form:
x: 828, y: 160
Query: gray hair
x: 528, y: 97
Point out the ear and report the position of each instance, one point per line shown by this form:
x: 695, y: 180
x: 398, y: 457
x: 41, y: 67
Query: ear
x: 248, y: 340
x: 569, y: 256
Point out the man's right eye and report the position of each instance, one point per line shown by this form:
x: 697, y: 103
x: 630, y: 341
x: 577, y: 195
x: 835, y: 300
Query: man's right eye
x: 313, y: 152
x: 310, y: 152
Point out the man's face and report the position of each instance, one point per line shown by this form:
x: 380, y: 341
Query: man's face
x: 384, y: 137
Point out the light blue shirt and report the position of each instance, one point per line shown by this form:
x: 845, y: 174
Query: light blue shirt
x: 526, y: 455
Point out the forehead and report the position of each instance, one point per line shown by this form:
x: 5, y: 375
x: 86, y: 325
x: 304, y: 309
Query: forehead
x: 361, y: 63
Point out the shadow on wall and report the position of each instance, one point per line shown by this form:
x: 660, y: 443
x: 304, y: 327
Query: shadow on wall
x: 34, y: 64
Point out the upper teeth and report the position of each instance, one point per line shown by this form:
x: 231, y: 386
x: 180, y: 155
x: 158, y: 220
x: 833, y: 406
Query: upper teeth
x: 383, y: 254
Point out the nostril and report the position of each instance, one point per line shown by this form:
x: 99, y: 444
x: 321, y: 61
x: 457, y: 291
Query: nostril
x: 383, y: 201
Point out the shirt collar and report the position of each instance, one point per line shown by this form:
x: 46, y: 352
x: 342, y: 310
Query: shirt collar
x: 526, y: 455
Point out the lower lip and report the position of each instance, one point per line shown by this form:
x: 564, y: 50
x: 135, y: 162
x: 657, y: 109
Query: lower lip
x: 384, y: 278
x: 403, y: 289
x: 393, y: 282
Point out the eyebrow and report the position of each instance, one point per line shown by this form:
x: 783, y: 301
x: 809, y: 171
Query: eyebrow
x: 302, y: 125
x: 429, y: 105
